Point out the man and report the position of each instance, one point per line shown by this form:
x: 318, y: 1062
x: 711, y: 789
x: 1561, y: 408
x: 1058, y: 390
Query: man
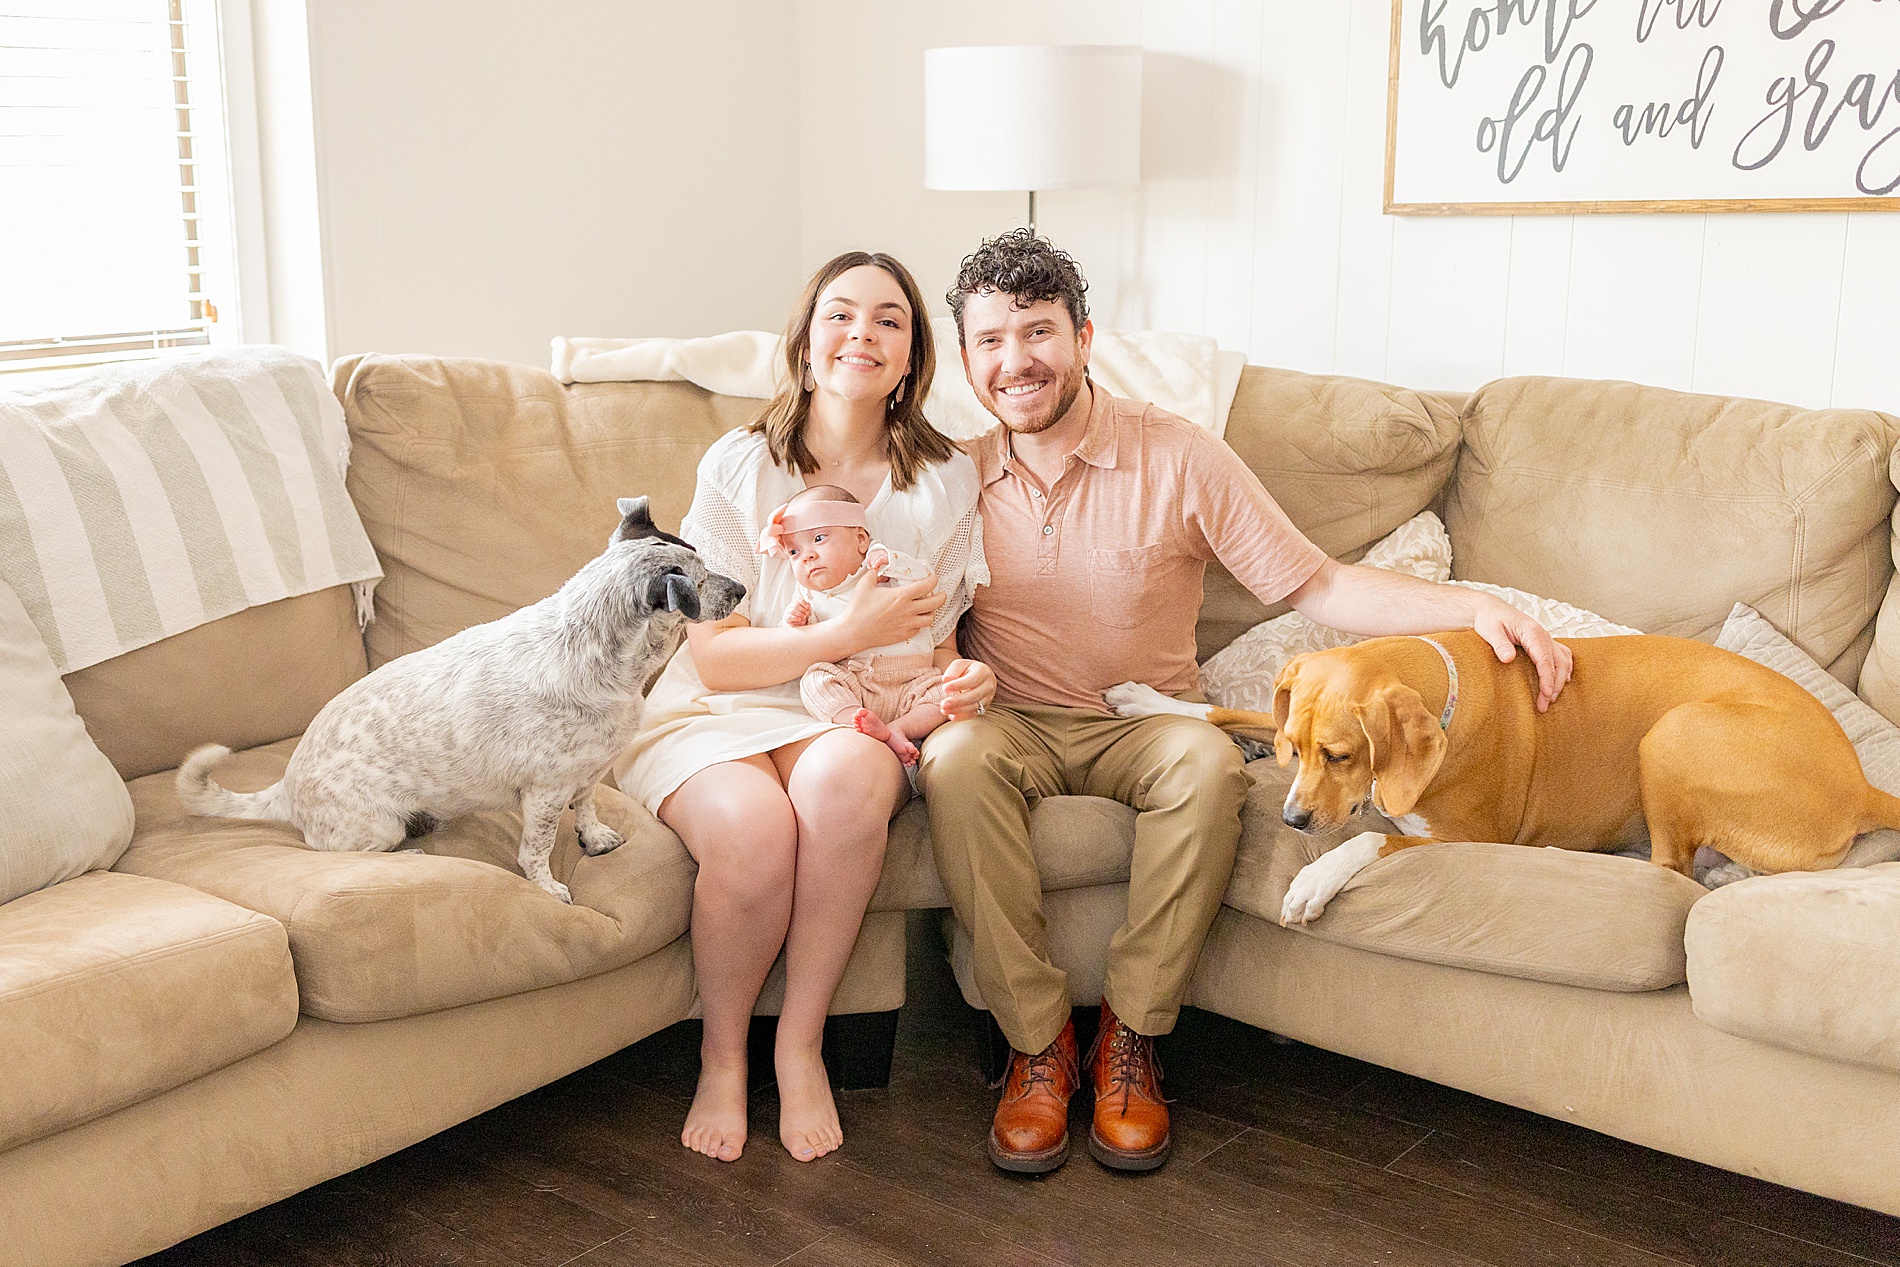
x: 1099, y: 517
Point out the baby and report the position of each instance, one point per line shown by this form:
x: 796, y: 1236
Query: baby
x: 893, y: 693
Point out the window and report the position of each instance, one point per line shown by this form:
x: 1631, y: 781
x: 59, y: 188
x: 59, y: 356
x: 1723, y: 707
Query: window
x: 115, y: 221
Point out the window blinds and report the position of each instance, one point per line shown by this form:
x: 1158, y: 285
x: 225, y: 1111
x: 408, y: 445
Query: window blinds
x: 102, y: 168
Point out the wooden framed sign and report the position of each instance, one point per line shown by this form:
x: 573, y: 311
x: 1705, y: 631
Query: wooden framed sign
x: 1518, y: 107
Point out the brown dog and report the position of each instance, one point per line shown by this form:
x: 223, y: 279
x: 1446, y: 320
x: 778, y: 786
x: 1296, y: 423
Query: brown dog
x: 1700, y: 745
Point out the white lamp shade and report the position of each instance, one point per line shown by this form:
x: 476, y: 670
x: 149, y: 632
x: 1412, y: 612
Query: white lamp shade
x: 1032, y: 117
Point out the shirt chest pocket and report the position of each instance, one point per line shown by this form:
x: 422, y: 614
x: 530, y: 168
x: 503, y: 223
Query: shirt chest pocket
x: 1124, y: 584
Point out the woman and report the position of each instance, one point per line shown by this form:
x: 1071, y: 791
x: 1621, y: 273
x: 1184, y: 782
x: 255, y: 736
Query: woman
x: 786, y: 814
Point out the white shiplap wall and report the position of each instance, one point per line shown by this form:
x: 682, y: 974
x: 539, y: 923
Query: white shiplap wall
x: 1259, y: 218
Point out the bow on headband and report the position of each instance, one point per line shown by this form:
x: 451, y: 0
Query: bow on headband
x: 788, y: 519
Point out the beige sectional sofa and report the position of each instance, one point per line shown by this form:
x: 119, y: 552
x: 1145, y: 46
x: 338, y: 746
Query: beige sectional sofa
x: 226, y: 1017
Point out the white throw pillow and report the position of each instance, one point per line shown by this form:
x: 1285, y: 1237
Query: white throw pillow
x: 1877, y: 740
x: 1563, y: 620
x: 1242, y: 675
x: 63, y: 809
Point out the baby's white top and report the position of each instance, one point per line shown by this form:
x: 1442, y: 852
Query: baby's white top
x: 902, y: 569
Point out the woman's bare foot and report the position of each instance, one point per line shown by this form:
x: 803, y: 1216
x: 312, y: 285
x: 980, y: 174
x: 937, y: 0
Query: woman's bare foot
x: 807, y: 1116
x: 869, y: 723
x: 715, y: 1125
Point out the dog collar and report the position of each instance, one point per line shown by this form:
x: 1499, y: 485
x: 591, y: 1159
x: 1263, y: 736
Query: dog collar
x: 1451, y: 691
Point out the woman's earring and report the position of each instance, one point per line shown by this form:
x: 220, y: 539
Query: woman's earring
x: 898, y: 397
x: 807, y: 381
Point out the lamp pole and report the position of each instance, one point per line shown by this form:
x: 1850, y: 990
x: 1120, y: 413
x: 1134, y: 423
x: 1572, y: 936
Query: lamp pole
x: 1032, y: 213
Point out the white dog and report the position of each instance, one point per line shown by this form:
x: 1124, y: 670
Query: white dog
x: 528, y: 710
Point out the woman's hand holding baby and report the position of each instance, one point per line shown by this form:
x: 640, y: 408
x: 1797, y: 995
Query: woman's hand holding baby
x: 883, y: 614
x: 968, y: 687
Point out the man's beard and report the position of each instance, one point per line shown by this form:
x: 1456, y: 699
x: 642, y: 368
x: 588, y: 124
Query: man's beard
x: 1070, y: 388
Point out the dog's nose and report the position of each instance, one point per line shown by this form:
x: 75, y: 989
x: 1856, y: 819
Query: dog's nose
x: 1296, y: 818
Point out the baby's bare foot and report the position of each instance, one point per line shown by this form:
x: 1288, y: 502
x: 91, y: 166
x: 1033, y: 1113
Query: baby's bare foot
x: 869, y: 723
x: 715, y: 1125
x: 807, y: 1116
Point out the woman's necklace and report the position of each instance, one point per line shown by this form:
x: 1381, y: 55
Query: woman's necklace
x: 861, y: 473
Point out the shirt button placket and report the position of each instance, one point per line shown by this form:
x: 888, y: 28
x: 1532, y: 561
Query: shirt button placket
x: 1046, y: 555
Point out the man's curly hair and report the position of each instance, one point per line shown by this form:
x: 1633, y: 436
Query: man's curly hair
x: 1027, y: 268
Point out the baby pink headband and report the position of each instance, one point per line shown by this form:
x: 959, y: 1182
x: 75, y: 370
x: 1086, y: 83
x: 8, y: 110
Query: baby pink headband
x: 805, y: 516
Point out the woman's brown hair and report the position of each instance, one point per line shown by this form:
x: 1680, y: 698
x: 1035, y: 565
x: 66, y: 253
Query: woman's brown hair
x: 913, y: 443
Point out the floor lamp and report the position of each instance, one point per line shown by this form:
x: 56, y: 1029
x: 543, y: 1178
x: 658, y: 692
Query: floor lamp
x: 1032, y: 117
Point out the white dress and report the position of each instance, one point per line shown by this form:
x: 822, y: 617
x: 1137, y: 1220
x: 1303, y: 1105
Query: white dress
x: 689, y: 727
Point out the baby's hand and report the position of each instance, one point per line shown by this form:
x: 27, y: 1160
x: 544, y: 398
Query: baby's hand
x: 799, y: 614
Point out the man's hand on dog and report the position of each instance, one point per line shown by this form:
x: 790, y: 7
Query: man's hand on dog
x: 1374, y: 603
x: 1506, y: 629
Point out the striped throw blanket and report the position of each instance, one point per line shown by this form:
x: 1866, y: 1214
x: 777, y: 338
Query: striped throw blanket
x: 141, y: 500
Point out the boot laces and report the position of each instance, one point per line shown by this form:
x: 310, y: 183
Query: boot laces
x: 1131, y: 1059
x: 1039, y: 1068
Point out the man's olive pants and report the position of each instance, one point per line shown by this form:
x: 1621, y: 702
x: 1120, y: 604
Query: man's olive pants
x: 980, y: 779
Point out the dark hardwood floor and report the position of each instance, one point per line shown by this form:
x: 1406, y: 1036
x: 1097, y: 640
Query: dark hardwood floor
x: 1284, y: 1154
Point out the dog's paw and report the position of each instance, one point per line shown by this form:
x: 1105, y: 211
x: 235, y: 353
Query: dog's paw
x: 1306, y: 899
x: 1136, y: 699
x: 602, y: 839
x: 558, y: 890
x: 1320, y: 881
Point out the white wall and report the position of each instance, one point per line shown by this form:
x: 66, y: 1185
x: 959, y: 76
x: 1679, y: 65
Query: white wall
x: 493, y: 173
x: 1259, y: 217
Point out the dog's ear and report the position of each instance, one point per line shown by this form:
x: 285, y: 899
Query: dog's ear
x: 1282, y: 709
x: 671, y: 591
x: 635, y: 520
x: 1405, y: 747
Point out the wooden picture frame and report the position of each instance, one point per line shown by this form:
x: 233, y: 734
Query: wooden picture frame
x: 1688, y: 16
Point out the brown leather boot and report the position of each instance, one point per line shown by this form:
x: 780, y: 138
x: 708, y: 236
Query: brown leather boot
x: 1031, y: 1131
x: 1130, y: 1131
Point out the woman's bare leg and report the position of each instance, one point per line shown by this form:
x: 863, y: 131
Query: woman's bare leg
x: 844, y: 787
x: 738, y: 825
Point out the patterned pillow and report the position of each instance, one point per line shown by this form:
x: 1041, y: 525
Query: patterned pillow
x: 1563, y: 620
x: 1242, y: 675
x: 1877, y: 740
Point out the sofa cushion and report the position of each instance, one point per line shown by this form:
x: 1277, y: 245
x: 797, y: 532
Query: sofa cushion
x: 1592, y: 920
x: 1880, y: 675
x: 251, y: 678
x: 63, y: 810
x: 377, y: 935
x: 1803, y: 960
x: 114, y: 988
x: 1347, y: 459
x: 1661, y: 510
x: 486, y: 485
x: 1583, y: 919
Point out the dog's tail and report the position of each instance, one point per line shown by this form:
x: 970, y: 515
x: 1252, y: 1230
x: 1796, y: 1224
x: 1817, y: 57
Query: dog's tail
x: 202, y: 796
x: 1882, y: 810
